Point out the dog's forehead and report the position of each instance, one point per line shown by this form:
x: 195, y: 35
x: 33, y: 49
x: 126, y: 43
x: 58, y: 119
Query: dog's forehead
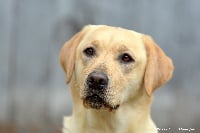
x: 114, y: 34
x: 114, y: 37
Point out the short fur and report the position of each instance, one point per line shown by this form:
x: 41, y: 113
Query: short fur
x: 129, y: 93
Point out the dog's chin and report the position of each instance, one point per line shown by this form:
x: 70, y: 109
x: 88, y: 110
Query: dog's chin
x: 98, y: 103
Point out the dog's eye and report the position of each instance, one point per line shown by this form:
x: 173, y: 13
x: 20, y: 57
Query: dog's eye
x: 126, y: 58
x: 89, y: 52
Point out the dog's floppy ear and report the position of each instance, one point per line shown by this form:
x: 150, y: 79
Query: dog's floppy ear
x: 159, y: 66
x: 68, y: 53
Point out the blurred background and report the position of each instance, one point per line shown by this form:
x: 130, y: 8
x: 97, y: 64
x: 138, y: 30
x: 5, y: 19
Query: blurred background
x: 33, y: 94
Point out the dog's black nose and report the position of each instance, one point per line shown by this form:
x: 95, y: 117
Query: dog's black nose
x: 97, y: 80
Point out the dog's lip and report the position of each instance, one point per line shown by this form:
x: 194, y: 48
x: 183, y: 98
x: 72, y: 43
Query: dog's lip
x: 94, y: 98
x: 93, y: 101
x: 97, y: 102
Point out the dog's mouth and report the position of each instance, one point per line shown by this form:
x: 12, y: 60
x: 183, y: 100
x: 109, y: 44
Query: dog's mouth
x: 96, y: 102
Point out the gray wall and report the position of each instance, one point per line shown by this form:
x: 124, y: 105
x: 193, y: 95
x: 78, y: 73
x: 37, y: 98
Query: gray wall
x: 33, y: 94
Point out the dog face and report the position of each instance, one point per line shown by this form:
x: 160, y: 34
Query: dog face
x: 113, y: 65
x: 111, y: 62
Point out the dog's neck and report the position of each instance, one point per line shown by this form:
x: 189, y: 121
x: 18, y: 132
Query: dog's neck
x: 130, y: 116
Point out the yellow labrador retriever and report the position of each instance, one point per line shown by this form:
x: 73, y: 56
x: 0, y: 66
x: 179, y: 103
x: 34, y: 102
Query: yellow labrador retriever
x: 112, y: 73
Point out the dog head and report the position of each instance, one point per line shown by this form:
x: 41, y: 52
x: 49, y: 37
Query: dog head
x: 111, y: 65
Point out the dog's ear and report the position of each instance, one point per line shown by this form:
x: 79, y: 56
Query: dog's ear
x: 68, y: 53
x: 159, y: 66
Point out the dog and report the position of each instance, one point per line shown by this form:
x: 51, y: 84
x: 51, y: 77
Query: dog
x: 112, y: 73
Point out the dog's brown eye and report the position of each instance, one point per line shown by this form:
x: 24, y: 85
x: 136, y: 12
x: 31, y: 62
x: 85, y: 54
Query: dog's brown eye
x: 89, y: 52
x: 126, y: 58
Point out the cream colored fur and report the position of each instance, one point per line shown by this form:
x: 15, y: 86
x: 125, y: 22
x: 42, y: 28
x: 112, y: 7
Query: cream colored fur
x: 130, y: 85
